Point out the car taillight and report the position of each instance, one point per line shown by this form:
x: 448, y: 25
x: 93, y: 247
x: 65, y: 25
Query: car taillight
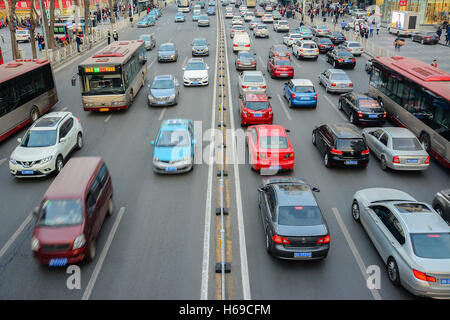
x: 238, y: 62
x: 293, y: 95
x: 395, y: 159
x: 321, y: 45
x: 244, y: 87
x: 264, y: 87
x: 365, y: 152
x: 235, y: 45
x: 278, y: 239
x: 289, y: 155
x: 353, y: 60
x: 350, y: 85
x: 360, y: 115
x: 337, y: 152
x: 423, y: 276
x: 427, y: 161
x: 323, y: 240
x: 332, y: 46
x: 340, y: 60
x: 427, y: 37
x: 345, y: 38
x: 333, y: 84
x: 384, y: 115
x: 247, y: 46
x: 315, y: 96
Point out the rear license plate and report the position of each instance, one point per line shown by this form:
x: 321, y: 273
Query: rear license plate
x: 445, y: 282
x: 284, y: 74
x: 254, y: 88
x: 342, y: 85
x: 302, y: 254
x: 348, y: 61
x: 58, y: 262
x: 372, y: 116
x: 257, y: 115
x: 412, y: 160
x: 304, y: 98
x: 171, y: 169
x: 274, y: 167
x: 27, y: 171
x: 351, y: 162
x: 104, y: 109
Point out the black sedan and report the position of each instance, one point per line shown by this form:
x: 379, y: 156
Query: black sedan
x: 425, y: 37
x: 341, y: 58
x: 362, y: 109
x: 324, y: 44
x: 337, y: 37
x: 441, y: 203
x: 294, y: 226
x: 341, y: 145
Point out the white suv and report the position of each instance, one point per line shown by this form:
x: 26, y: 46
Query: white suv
x: 305, y: 49
x: 46, y: 145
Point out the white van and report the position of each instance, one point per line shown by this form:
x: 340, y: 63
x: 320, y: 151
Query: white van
x: 241, y: 42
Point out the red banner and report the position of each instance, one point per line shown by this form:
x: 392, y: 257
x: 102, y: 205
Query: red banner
x: 2, y: 4
x: 403, y: 3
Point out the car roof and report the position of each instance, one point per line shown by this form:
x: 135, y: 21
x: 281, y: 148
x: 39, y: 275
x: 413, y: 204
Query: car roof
x: 170, y: 124
x: 73, y: 179
x: 302, y: 82
x: 397, y: 132
x: 308, y: 41
x: 337, y: 70
x: 294, y: 194
x: 345, y: 130
x: 277, y: 58
x: 50, y: 120
x: 196, y: 60
x: 272, y: 128
x: 262, y: 97
x: 164, y: 77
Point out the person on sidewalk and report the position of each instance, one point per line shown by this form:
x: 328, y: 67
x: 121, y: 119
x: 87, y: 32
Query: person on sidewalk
x: 79, y: 42
x: 343, y: 24
x: 434, y: 63
x: 371, y: 30
x: 439, y: 32
x: 109, y: 37
x: 115, y: 35
x: 378, y: 27
x: 447, y: 36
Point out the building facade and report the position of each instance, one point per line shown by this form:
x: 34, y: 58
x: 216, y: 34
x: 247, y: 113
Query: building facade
x: 432, y: 12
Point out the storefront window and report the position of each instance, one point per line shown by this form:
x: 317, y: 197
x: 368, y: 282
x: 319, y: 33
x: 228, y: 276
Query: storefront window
x: 431, y: 11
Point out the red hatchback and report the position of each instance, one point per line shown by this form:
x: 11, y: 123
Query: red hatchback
x: 280, y: 67
x: 269, y: 148
x: 71, y: 213
x: 255, y: 109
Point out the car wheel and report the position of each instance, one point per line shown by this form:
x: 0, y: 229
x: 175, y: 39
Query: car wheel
x: 34, y: 115
x: 313, y: 138
x: 352, y: 118
x: 422, y: 42
x: 334, y: 64
x: 340, y: 105
x: 79, y: 141
x: 290, y: 103
x: 425, y: 141
x: 383, y: 163
x: 392, y: 271
x: 355, y: 211
x: 59, y: 164
x: 326, y: 160
x: 92, y: 250
x: 439, y: 210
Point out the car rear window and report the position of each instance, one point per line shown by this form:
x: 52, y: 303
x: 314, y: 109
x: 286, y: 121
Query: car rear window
x: 299, y: 216
x: 369, y: 105
x: 253, y: 78
x: 56, y: 213
x: 246, y: 56
x: 344, y: 54
x: 339, y: 76
x: 309, y: 45
x: 431, y: 245
x: 257, y: 105
x: 304, y: 89
x: 325, y: 40
x: 353, y: 144
x: 296, y: 35
x: 273, y: 142
x: 353, y: 45
x: 283, y: 63
x: 406, y: 144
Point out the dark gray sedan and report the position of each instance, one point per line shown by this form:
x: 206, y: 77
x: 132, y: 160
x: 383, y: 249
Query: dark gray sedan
x: 425, y: 37
x: 293, y: 224
x: 245, y: 61
x: 167, y: 52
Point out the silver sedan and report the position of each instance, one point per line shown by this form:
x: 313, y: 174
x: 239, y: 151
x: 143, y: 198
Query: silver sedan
x: 411, y: 238
x: 251, y: 82
x: 397, y: 148
x: 353, y: 46
x: 335, y: 80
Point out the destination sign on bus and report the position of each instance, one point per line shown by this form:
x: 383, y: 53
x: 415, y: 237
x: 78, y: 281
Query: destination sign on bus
x: 99, y: 69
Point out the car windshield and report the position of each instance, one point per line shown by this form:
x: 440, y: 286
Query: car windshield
x: 309, y: 45
x: 299, y: 216
x: 350, y: 144
x: 273, y: 142
x: 195, y: 66
x: 304, y: 89
x: 167, y: 47
x: 253, y: 78
x: 339, y: 76
x: 58, y: 213
x: 246, y: 56
x: 431, y: 245
x: 257, y: 105
x: 199, y: 42
x: 283, y: 63
x: 39, y: 138
x: 145, y: 37
x: 173, y: 138
x: 406, y: 144
x: 354, y: 45
x: 162, y: 84
x: 338, y: 35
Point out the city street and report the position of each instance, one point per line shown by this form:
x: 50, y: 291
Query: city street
x: 153, y: 246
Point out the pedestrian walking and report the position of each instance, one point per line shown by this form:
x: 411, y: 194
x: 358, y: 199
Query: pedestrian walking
x: 371, y: 30
x: 378, y: 27
x: 447, y: 36
x: 434, y: 63
x: 343, y: 24
x: 439, y: 32
x: 398, y: 43
x: 115, y: 35
x: 109, y: 37
x: 79, y: 42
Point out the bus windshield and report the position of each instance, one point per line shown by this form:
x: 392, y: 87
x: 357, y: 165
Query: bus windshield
x: 102, y: 84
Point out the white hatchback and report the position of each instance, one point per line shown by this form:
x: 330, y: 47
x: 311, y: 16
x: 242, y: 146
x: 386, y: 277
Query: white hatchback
x: 46, y: 145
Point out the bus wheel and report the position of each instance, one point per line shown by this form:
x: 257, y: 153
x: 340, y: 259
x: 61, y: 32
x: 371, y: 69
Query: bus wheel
x: 34, y: 114
x: 131, y: 96
x: 425, y: 141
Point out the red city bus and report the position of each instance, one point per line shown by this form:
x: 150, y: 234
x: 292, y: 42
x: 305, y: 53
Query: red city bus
x: 416, y: 96
x: 27, y: 90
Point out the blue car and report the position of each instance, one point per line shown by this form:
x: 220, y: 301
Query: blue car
x: 174, y: 147
x: 163, y: 91
x: 196, y: 15
x: 306, y: 32
x: 179, y: 17
x: 158, y: 12
x: 153, y: 15
x: 300, y: 93
x: 211, y: 11
x: 145, y: 22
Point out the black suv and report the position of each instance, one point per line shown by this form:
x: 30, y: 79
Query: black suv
x: 362, y: 109
x: 341, y: 145
x: 341, y: 58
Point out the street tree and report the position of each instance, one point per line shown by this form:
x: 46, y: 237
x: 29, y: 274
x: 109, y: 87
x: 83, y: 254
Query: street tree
x: 33, y: 18
x: 12, y: 18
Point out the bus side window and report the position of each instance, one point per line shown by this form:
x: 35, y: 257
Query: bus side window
x: 8, y: 101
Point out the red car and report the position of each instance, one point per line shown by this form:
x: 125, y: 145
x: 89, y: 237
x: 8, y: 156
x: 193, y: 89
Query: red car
x: 280, y: 67
x: 255, y: 109
x: 269, y: 148
x: 71, y: 214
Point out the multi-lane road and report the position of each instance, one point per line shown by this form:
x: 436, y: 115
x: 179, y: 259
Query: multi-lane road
x: 155, y: 246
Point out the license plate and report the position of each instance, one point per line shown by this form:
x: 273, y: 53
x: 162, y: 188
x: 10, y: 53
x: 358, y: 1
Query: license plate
x: 27, y: 171
x: 274, y: 167
x: 195, y: 82
x: 412, y: 160
x: 254, y: 88
x: 104, y: 109
x: 445, y: 281
x: 304, y: 98
x: 58, y: 262
x: 161, y: 102
x: 284, y: 74
x: 171, y: 169
x: 257, y: 115
x: 351, y: 162
x: 342, y: 85
x: 348, y: 61
x: 302, y: 254
x: 372, y: 116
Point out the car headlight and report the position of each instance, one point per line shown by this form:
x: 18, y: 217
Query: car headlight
x: 172, y: 96
x: 13, y: 161
x: 150, y: 97
x: 79, y: 242
x: 34, y: 244
x: 89, y: 104
x: 47, y: 159
x: 172, y: 56
x: 155, y: 159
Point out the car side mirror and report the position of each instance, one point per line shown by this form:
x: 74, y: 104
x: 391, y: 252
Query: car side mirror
x: 152, y: 142
x: 19, y: 140
x: 63, y: 139
x: 36, y: 211
x: 287, y: 130
x: 314, y: 189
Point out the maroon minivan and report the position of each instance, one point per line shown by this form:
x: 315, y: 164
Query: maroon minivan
x: 72, y: 212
